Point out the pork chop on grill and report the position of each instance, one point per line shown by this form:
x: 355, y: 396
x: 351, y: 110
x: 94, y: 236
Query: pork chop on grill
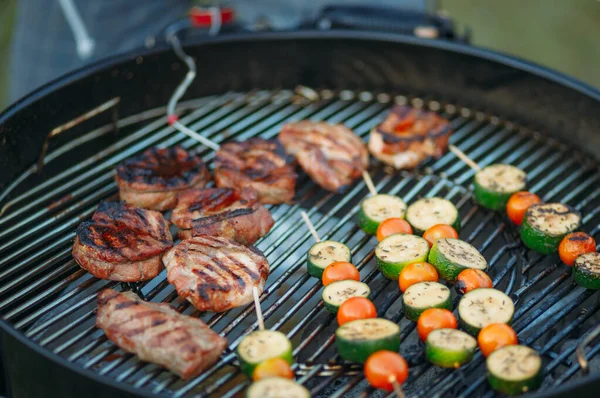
x: 332, y: 155
x: 408, y: 136
x: 215, y: 273
x: 257, y: 163
x: 157, y: 333
x: 122, y: 242
x: 153, y: 179
x: 232, y: 213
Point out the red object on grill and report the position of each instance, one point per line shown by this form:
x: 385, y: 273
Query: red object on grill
x: 203, y: 17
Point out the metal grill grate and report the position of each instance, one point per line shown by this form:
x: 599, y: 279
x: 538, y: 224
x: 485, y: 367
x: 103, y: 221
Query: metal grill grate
x: 46, y: 296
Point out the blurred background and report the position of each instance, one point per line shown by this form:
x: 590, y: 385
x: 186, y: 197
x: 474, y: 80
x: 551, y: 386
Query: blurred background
x: 559, y: 34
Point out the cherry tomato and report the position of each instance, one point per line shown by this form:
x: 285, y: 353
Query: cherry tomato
x: 393, y: 226
x: 435, y: 318
x: 439, y: 231
x: 382, y: 367
x: 471, y: 279
x: 415, y: 273
x: 574, y: 245
x: 339, y: 271
x: 518, y: 203
x: 356, y: 308
x: 495, y: 336
x: 271, y: 368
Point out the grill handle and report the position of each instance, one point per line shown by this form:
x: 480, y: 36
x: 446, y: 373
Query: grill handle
x: 420, y: 23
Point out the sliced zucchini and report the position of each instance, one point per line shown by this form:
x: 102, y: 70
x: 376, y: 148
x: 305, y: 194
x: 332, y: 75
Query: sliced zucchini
x: 451, y: 256
x: 323, y: 253
x: 514, y: 369
x: 545, y: 225
x: 261, y: 345
x: 336, y: 293
x: 276, y: 387
x: 484, y: 306
x: 378, y: 208
x: 586, y: 270
x: 397, y: 251
x: 423, y: 295
x: 494, y: 185
x: 427, y: 212
x: 449, y: 348
x: 356, y: 340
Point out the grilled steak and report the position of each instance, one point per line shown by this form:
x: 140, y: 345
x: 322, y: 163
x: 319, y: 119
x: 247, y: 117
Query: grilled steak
x: 332, y: 155
x: 157, y: 333
x: 122, y: 242
x: 257, y: 163
x: 152, y: 180
x: 232, y: 213
x: 215, y: 273
x: 408, y: 136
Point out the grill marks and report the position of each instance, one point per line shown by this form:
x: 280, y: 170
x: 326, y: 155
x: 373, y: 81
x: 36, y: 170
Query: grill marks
x: 122, y: 243
x: 158, y: 334
x: 332, y: 155
x: 215, y: 273
x: 257, y: 163
x: 152, y: 179
x: 232, y: 213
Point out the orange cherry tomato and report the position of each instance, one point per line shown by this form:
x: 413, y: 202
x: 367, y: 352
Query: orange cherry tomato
x: 518, y: 203
x: 271, y: 368
x: 415, y: 273
x: 339, y: 271
x: 574, y: 245
x: 382, y: 367
x: 435, y: 318
x: 471, y: 279
x: 393, y: 226
x: 439, y: 231
x: 356, y: 308
x: 495, y: 336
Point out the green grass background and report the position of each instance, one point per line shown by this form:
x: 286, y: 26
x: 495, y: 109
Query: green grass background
x: 561, y: 34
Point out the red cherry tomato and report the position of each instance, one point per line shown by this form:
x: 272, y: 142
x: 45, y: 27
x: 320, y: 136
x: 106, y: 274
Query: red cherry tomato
x: 518, y: 203
x: 383, y: 367
x: 471, y: 279
x: 393, y: 226
x: 574, y: 245
x: 439, y: 231
x: 495, y: 336
x: 339, y: 271
x: 273, y: 367
x: 415, y: 273
x: 356, y: 308
x: 435, y: 318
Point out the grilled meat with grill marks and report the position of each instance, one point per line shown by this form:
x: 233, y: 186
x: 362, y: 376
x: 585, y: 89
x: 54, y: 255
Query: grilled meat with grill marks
x: 408, y: 136
x: 332, y: 155
x: 232, y: 213
x: 257, y: 163
x: 153, y: 179
x: 215, y: 273
x: 157, y: 333
x: 122, y: 242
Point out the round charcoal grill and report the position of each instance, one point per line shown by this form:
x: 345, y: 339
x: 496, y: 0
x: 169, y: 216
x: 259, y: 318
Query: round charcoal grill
x: 47, y: 302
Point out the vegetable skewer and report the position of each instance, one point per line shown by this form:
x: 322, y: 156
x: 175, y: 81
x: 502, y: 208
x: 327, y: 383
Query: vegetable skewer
x: 377, y: 208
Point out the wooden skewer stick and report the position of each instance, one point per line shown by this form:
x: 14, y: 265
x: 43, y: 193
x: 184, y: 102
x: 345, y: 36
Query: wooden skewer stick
x: 397, y: 388
x: 310, y: 226
x: 369, y: 183
x: 259, y: 315
x: 462, y: 156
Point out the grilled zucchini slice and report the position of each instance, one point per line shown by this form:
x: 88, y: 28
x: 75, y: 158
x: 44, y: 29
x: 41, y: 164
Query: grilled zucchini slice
x: 423, y: 295
x: 378, y: 208
x: 484, y: 306
x: 357, y: 340
x: 545, y: 225
x: 397, y: 251
x: 586, y: 270
x: 276, y: 387
x: 449, y: 348
x: 261, y: 345
x: 336, y: 293
x: 427, y: 212
x: 514, y: 369
x: 451, y: 256
x: 494, y: 185
x: 323, y: 253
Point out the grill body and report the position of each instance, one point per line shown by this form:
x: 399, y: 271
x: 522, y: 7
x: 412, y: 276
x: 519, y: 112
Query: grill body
x: 503, y: 110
